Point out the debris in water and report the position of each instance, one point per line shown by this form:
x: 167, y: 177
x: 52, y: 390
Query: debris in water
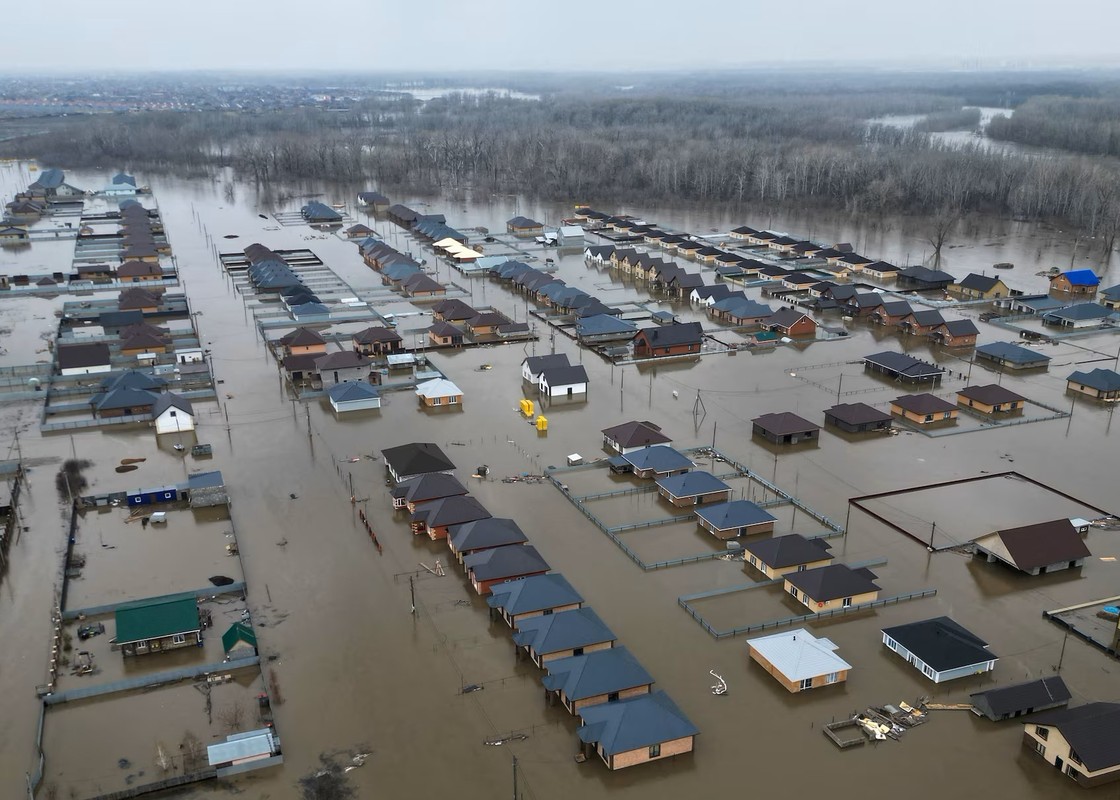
x: 133, y: 460
x: 221, y: 580
x: 124, y: 763
x: 263, y: 216
x: 472, y: 687
x: 127, y: 468
x: 294, y: 496
x: 233, y: 235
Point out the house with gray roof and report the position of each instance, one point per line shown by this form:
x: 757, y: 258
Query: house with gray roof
x: 601, y: 676
x: 658, y: 461
x: 798, y: 660
x: 1007, y: 355
x: 436, y: 517
x: 735, y: 518
x: 432, y: 486
x: 519, y: 599
x: 568, y: 633
x: 1020, y: 699
x: 533, y: 366
x: 784, y: 427
x: 172, y: 413
x: 1082, y: 315
x: 634, y: 435
x: 857, y: 418
x: 649, y: 727
x: 604, y: 328
x: 1110, y: 297
x: 793, y: 552
x: 1099, y: 383
x: 484, y: 534
x: 415, y: 459
x: 566, y: 381
x: 693, y: 489
x: 342, y: 366
x: 940, y: 648
x: 499, y: 564
x: 835, y: 586
x: 1082, y: 743
x: 903, y: 368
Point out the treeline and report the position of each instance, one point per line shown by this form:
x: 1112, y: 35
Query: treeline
x: 1079, y: 125
x: 783, y: 148
x: 961, y: 119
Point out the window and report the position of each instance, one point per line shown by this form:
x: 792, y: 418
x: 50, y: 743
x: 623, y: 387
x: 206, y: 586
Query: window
x: 806, y: 683
x: 802, y: 567
x: 1071, y: 771
x: 178, y: 639
x: 452, y: 400
x: 1073, y: 757
x: 546, y: 612
x: 578, y: 651
x: 754, y: 561
x: 437, y: 401
x: 793, y: 591
x: 655, y: 751
x: 927, y: 670
x: 1042, y: 733
x: 929, y: 417
x: 173, y: 413
x: 847, y: 602
x: 831, y: 677
x: 612, y: 697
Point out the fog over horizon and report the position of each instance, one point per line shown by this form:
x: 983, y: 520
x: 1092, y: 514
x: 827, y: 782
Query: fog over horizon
x: 502, y: 35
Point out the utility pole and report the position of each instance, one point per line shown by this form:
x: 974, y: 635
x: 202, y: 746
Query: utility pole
x: 515, y: 778
x: 308, y: 410
x: 1063, y: 653
x: 932, y: 531
x: 412, y: 591
x: 838, y: 386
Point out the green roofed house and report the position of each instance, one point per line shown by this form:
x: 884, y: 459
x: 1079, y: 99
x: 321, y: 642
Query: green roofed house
x: 239, y: 641
x: 163, y: 623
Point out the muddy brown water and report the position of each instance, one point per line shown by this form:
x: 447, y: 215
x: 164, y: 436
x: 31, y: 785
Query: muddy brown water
x: 358, y: 672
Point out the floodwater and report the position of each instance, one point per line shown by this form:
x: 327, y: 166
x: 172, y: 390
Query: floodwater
x: 360, y: 673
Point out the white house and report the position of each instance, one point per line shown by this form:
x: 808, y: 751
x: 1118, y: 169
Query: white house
x: 533, y: 366
x: 188, y: 355
x: 563, y: 381
x: 940, y: 649
x: 172, y: 413
x: 352, y: 396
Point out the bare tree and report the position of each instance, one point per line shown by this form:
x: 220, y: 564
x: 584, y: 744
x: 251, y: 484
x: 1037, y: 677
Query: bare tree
x: 941, y: 225
x: 232, y: 717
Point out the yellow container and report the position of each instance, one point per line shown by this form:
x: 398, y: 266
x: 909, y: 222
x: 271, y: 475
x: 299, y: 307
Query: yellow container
x: 527, y: 408
x: 542, y: 424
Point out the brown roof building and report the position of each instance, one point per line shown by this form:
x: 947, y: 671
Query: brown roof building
x: 1036, y: 549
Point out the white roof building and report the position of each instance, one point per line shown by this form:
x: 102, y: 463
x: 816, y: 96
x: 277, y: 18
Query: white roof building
x: 800, y: 660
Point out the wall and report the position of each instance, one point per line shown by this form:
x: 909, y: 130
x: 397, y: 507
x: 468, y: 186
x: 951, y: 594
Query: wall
x: 632, y: 758
x: 602, y: 698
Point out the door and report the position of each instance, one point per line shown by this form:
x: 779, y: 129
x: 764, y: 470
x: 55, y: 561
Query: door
x: 1058, y: 762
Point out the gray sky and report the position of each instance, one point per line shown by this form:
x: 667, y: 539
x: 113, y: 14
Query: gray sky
x: 442, y: 35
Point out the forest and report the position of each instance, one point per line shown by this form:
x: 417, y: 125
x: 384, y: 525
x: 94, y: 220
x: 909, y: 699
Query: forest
x: 668, y: 142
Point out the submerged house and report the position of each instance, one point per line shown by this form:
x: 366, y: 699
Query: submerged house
x: 693, y: 489
x: 733, y: 519
x: 1083, y: 743
x: 785, y: 428
x: 1007, y: 355
x: 781, y: 555
x: 1020, y: 699
x: 1100, y: 384
x: 353, y: 396
x: 992, y: 399
x: 662, y: 341
x: 940, y: 649
x: 436, y: 517
x: 924, y: 409
x: 432, y: 486
x: 415, y: 459
x: 1081, y: 282
x: 631, y: 436
x: 902, y: 367
x: 830, y: 587
x: 483, y: 534
x: 857, y: 418
x: 654, y: 462
x: 537, y: 595
x: 158, y: 625
x: 798, y: 660
x: 514, y: 562
x: 1035, y: 549
x: 562, y: 635
x: 601, y: 676
x: 637, y: 730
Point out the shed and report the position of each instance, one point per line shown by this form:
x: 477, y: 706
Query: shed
x: 243, y: 752
x: 657, y: 462
x: 1035, y: 549
x: 239, y: 641
x: 903, y: 368
x: 940, y: 649
x: 798, y: 660
x: 637, y: 730
x: 563, y: 381
x: 172, y: 413
x: 157, y: 625
x: 785, y: 428
x: 1019, y: 699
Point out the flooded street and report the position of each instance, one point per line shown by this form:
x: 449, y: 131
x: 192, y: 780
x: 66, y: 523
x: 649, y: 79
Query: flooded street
x: 360, y: 673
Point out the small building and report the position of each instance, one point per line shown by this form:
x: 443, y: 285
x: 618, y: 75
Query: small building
x: 245, y: 752
x: 432, y: 486
x: 1083, y: 743
x: 413, y: 460
x: 342, y: 366
x: 300, y: 369
x: 562, y: 635
x: 631, y: 436
x: 317, y: 213
x: 563, y: 381
x: 158, y: 625
x: 532, y: 367
x: 483, y: 534
x: 924, y: 279
x: 658, y: 461
x: 359, y: 231
x: 452, y: 310
x: 601, y: 676
x: 693, y: 489
x: 1032, y: 304
x: 172, y: 413
x: 637, y: 730
x: 139, y: 272
x: 1099, y: 383
x: 499, y: 564
x: 520, y: 599
x: 375, y: 200
x: 663, y: 341
x: 84, y: 359
x: 940, y: 649
x: 785, y: 428
x: 781, y: 555
x: 891, y: 313
x: 979, y: 287
x: 604, y: 328
x: 420, y: 285
x: 921, y: 323
x: 353, y: 396
x: 903, y: 368
x: 377, y: 341
x: 857, y: 418
x: 435, y: 518
x: 790, y: 322
x: 485, y: 324
x: 956, y: 333
x: 1007, y: 355
x: 1080, y: 282
x: 303, y: 341
x: 881, y: 271
x: 1020, y: 699
x: 444, y: 334
x: 1035, y: 549
x: 239, y: 641
x: 1082, y: 315
x: 798, y: 660
x: 733, y: 519
x: 439, y: 392
x: 1110, y: 297
x: 923, y: 409
x: 991, y: 399
x: 524, y: 226
x: 831, y: 587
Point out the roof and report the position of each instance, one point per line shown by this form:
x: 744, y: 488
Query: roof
x: 238, y: 632
x: 205, y: 480
x: 302, y: 337
x: 376, y: 333
x: 532, y: 594
x: 670, y: 335
x: 789, y: 550
x: 137, y: 269
x: 833, y: 581
x: 634, y: 723
x: 523, y: 222
x: 960, y: 327
x: 597, y: 673
x: 552, y: 633
x: 445, y: 330
x: 927, y: 317
x: 601, y: 324
x: 352, y: 392
x: 924, y: 403
x: 692, y: 483
x: 1080, y: 277
x: 979, y: 283
x: 636, y: 434
x: 342, y: 359
x: 417, y: 458
x: 452, y: 510
x: 880, y: 266
x: 419, y: 282
x: 538, y: 364
x: 734, y: 514
x: 926, y: 275
x: 161, y: 616
x: 783, y: 423
x: 1112, y: 292
x: 239, y: 748
x: 1040, y: 545
x: 798, y: 655
x: 1092, y: 730
x: 499, y: 563
x: 1007, y: 351
x: 857, y: 413
x: 1020, y: 697
x: 438, y: 387
x: 1103, y: 380
x: 564, y: 376
x: 941, y: 643
x: 51, y: 178
x: 431, y: 486
x: 903, y: 364
x: 122, y: 399
x: 991, y: 394
x: 1081, y: 311
x: 659, y: 458
x: 168, y: 400
x: 483, y: 534
x: 83, y: 355
x: 787, y: 317
x: 133, y: 379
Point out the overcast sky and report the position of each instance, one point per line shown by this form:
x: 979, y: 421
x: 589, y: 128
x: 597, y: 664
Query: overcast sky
x: 442, y: 35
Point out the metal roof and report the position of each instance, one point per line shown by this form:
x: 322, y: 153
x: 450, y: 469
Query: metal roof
x: 1092, y: 730
x: 833, y: 582
x: 532, y: 594
x: 1022, y: 697
x: 1103, y: 380
x: 634, y: 723
x: 499, y: 563
x: 566, y: 630
x: 734, y: 514
x: 152, y: 619
x: 692, y: 483
x: 941, y: 643
x: 1007, y: 351
x: 799, y: 655
x: 597, y: 673
x: 659, y: 458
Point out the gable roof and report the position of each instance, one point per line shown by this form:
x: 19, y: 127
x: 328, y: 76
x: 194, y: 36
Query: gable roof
x: 511, y: 561
x: 798, y: 655
x: 238, y: 632
x: 941, y: 643
x: 596, y: 673
x: 538, y: 364
x: 634, y: 723
x: 959, y: 327
x: 71, y: 356
x: 784, y: 422
x: 979, y: 283
x: 733, y: 514
x: 342, y: 359
x: 138, y: 269
x: 991, y: 394
x: 925, y: 275
x: 692, y: 483
x: 483, y: 534
x: 551, y: 633
x: 1007, y: 351
x: 857, y: 413
x: 564, y: 376
x: 171, y: 400
x: 833, y: 582
x: 452, y: 510
x: 789, y: 550
x: 659, y: 458
x: 160, y: 616
x: 1039, y: 545
x: 926, y: 317
x: 431, y: 486
x: 924, y: 403
x: 1081, y: 311
x: 1080, y: 277
x: 787, y: 317
x: 636, y: 434
x: 438, y: 387
x: 417, y: 458
x: 1020, y: 697
x: 376, y: 333
x: 122, y: 398
x: 445, y: 330
x: 1103, y: 380
x: 1092, y: 730
x: 670, y: 335
x: 903, y: 364
x: 133, y: 379
x: 600, y: 324
x: 532, y: 594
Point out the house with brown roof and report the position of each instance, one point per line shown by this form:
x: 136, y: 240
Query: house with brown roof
x: 921, y: 323
x: 139, y: 272
x: 377, y: 341
x: 857, y: 418
x: 956, y: 333
x: 780, y: 555
x: 979, y: 287
x: 634, y: 435
x: 664, y: 341
x: 1082, y: 743
x: 444, y: 334
x: 831, y: 587
x: 785, y: 428
x: 790, y: 322
x: 303, y: 341
x: 1035, y: 549
x: 143, y: 342
x: 924, y: 409
x: 137, y: 299
x: 343, y: 366
x: 992, y: 399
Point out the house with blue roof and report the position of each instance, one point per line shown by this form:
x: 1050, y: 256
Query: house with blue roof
x: 1080, y: 282
x: 1100, y: 384
x: 483, y: 534
x: 603, y: 676
x: 733, y: 519
x: 1007, y: 355
x: 604, y: 327
x: 1082, y: 315
x: 659, y: 461
x: 353, y: 396
x: 534, y: 596
x: 693, y: 489
x: 637, y: 730
x: 568, y: 633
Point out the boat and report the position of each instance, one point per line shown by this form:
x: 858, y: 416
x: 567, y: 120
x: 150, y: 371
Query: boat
x: 1003, y: 265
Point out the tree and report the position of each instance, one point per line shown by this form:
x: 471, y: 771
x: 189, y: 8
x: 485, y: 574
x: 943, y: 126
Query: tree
x: 941, y: 225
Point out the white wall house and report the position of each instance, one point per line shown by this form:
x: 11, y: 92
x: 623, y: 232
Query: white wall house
x: 172, y: 413
x: 563, y: 381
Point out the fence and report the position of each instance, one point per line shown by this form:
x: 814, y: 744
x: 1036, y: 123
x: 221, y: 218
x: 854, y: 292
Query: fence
x: 151, y: 681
